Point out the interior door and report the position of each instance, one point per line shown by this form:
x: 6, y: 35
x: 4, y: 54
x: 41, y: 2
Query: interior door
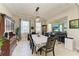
x: 1, y: 25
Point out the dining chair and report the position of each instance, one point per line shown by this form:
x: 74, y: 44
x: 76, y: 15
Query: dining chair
x: 50, y: 45
x: 31, y: 43
x: 28, y: 37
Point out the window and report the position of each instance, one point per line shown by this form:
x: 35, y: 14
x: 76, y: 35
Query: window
x: 61, y: 28
x: 38, y: 27
x: 9, y: 24
x: 49, y: 28
x: 24, y: 26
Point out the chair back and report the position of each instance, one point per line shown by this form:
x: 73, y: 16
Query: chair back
x: 30, y: 37
x: 50, y: 43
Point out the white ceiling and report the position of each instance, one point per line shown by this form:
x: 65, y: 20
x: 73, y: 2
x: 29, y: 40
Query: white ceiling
x: 27, y: 10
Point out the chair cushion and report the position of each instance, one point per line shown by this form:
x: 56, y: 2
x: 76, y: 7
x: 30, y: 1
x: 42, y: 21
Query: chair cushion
x: 46, y: 49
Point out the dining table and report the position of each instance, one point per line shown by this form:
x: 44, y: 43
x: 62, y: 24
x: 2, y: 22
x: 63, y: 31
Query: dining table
x: 39, y: 41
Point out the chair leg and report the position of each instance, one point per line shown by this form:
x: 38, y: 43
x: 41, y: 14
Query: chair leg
x: 32, y: 51
x: 40, y: 52
x: 53, y: 53
x: 45, y: 53
x: 35, y: 50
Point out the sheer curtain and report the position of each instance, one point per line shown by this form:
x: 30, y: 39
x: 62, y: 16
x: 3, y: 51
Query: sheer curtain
x: 49, y: 28
x: 38, y: 27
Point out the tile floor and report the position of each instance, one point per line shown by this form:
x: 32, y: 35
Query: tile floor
x: 23, y: 49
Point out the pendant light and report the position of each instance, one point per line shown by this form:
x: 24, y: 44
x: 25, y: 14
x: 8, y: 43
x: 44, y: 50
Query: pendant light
x: 37, y: 14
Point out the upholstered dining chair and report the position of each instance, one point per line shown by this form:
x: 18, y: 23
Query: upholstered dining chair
x: 31, y: 43
x: 50, y: 45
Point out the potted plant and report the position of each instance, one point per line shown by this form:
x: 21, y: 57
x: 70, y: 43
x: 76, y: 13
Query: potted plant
x: 18, y: 33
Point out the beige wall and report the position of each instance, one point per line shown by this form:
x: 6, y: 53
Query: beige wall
x: 4, y: 10
x: 16, y: 19
x: 71, y: 13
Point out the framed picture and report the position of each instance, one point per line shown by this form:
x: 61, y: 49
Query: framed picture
x: 74, y: 24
